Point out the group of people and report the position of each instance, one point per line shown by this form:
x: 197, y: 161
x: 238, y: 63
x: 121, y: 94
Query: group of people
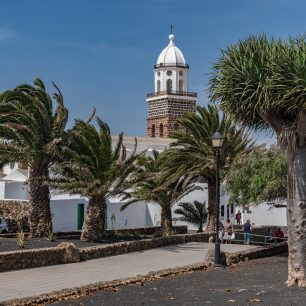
x: 226, y: 231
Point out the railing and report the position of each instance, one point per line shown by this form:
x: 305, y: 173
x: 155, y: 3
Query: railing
x: 255, y: 239
x: 172, y: 92
x: 171, y: 65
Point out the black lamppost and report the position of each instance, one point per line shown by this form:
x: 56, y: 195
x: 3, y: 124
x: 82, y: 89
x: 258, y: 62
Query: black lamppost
x: 217, y: 142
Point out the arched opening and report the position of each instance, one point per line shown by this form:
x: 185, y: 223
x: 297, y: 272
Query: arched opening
x: 153, y: 130
x: 176, y: 126
x: 158, y: 86
x: 161, y: 130
x: 181, y: 84
x: 169, y: 85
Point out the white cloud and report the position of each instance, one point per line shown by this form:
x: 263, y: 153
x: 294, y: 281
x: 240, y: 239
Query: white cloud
x: 6, y: 34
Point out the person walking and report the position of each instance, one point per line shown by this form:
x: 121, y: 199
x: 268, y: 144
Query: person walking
x: 238, y: 217
x: 247, y: 229
x: 228, y: 231
x: 220, y: 231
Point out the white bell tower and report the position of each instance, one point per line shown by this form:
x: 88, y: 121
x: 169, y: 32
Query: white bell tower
x: 171, y: 72
x: 171, y: 98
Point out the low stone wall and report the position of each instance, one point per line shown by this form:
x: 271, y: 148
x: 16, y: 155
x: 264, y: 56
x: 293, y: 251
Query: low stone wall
x: 231, y: 259
x: 17, y: 260
x: 179, y: 229
x: 139, y: 245
x: 12, y: 210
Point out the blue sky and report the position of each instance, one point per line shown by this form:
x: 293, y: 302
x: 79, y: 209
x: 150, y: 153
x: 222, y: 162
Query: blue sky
x: 101, y: 52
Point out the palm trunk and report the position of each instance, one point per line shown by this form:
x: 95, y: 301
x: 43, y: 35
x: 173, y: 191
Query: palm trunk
x: 40, y: 221
x: 211, y: 206
x: 93, y: 226
x: 166, y: 220
x: 296, y: 217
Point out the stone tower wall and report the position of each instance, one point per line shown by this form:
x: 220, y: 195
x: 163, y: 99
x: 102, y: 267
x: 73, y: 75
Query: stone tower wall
x: 166, y: 111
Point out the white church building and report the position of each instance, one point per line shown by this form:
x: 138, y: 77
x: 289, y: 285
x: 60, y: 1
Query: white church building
x: 166, y: 104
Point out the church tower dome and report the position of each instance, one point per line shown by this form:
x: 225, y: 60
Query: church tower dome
x: 171, y: 55
x: 171, y: 98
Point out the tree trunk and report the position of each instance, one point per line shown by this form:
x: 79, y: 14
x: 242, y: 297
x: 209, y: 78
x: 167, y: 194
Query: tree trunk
x: 40, y: 220
x: 166, y: 220
x: 93, y: 226
x: 296, y: 217
x: 211, y: 205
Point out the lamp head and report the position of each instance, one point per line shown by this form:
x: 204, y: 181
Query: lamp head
x: 217, y: 140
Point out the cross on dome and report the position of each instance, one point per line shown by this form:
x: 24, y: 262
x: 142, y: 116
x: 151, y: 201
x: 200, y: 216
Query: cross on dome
x: 171, y: 28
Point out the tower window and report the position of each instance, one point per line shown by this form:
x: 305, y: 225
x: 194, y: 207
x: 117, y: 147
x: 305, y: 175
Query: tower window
x: 158, y: 86
x: 161, y: 130
x: 169, y: 72
x: 181, y: 73
x: 181, y: 84
x: 153, y: 130
x: 169, y: 84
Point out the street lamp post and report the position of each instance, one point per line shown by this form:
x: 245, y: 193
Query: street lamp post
x: 217, y: 142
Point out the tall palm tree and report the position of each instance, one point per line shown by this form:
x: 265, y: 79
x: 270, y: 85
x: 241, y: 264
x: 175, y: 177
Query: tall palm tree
x: 192, y: 154
x: 194, y: 213
x: 29, y: 129
x: 91, y: 167
x: 261, y: 83
x: 148, y: 187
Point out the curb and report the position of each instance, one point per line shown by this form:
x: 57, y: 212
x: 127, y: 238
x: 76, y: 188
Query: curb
x: 77, y: 292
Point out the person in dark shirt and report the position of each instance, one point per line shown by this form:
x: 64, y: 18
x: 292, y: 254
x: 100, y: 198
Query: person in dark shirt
x: 238, y: 217
x: 247, y: 228
x: 279, y: 234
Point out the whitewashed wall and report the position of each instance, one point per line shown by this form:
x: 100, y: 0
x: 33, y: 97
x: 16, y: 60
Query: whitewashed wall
x: 264, y: 214
x: 2, y: 190
x: 65, y: 214
x: 16, y: 190
x: 135, y: 216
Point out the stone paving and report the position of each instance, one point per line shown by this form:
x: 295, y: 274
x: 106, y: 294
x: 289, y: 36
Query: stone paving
x: 256, y: 282
x: 30, y: 282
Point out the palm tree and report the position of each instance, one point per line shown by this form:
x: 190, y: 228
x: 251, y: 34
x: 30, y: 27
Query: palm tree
x: 261, y: 83
x: 194, y: 213
x: 148, y: 187
x: 192, y: 154
x: 91, y: 167
x: 29, y: 129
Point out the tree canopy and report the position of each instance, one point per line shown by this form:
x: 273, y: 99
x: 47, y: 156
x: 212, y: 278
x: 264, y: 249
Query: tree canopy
x: 93, y: 168
x: 30, y: 128
x: 194, y: 213
x: 261, y: 176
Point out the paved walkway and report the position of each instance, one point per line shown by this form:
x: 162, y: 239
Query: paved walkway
x: 30, y: 282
